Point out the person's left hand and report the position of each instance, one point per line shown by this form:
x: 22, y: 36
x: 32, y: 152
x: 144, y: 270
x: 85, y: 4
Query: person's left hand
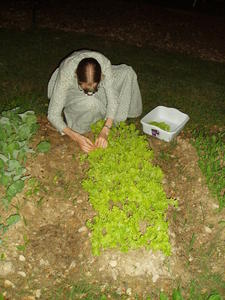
x: 102, y: 140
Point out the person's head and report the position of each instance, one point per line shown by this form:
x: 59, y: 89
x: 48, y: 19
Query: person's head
x: 89, y: 75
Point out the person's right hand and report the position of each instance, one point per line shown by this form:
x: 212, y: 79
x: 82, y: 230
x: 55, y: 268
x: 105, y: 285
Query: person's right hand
x: 85, y: 144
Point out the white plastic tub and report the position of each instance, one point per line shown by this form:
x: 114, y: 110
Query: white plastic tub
x: 171, y: 116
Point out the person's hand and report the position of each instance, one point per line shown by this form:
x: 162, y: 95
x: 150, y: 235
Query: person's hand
x: 102, y: 140
x: 85, y: 144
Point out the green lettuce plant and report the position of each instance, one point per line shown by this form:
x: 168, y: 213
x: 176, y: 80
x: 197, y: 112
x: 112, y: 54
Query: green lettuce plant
x: 125, y: 189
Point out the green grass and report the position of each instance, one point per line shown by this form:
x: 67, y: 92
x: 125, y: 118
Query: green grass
x: 84, y: 290
x: 211, y: 152
x: 80, y: 290
x: 27, y: 60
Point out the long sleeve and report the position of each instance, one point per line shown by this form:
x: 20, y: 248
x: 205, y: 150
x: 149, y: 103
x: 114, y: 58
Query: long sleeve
x: 112, y: 95
x: 57, y: 101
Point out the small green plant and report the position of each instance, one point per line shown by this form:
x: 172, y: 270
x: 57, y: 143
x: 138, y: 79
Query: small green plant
x: 43, y: 147
x: 33, y: 187
x: 12, y: 219
x: 24, y: 245
x: 16, y: 129
x: 214, y: 296
x: 163, y: 155
x: 191, y: 244
x: 163, y: 296
x: 177, y: 294
x: 126, y: 191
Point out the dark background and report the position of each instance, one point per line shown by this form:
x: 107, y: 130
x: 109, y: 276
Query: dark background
x: 195, y: 27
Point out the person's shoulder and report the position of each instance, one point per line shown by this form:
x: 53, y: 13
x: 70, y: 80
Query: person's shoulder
x: 68, y: 60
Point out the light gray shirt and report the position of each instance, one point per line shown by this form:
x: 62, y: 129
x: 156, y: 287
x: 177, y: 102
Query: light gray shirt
x: 65, y: 95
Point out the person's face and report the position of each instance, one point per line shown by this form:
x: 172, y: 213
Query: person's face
x: 88, y: 88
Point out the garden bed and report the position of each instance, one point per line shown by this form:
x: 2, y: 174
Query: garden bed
x: 55, y: 247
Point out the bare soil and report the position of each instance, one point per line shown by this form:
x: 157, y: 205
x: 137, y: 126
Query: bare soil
x: 56, y: 241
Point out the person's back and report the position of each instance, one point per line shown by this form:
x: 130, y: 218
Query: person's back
x: 87, y: 88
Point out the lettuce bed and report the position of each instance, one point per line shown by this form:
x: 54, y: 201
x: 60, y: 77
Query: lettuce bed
x: 125, y: 190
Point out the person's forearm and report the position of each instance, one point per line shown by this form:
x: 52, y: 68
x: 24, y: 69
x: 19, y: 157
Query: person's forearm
x: 72, y: 134
x: 84, y: 143
x: 109, y: 122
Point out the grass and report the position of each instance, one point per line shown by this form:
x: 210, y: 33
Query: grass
x: 211, y: 152
x: 194, y: 86
x: 27, y: 60
x: 84, y: 290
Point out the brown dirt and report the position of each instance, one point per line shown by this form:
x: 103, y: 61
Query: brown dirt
x: 58, y: 249
x: 135, y: 23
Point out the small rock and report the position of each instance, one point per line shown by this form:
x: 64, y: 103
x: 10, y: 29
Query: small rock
x: 22, y: 258
x: 88, y: 274
x: 38, y: 293
x: 79, y: 201
x: 6, y: 268
x: 28, y: 298
x: 190, y: 258
x: 215, y: 206
x: 72, y: 265
x: 155, y: 277
x: 119, y: 291
x: 44, y: 262
x: 8, y: 284
x: 129, y: 292
x: 103, y: 288
x: 82, y: 229
x: 91, y: 261
x: 173, y: 184
x: 172, y: 234
x: 113, y: 263
x: 21, y: 273
x: 207, y: 229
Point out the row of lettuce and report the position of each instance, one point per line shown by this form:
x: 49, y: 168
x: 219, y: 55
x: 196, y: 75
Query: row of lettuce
x: 125, y: 189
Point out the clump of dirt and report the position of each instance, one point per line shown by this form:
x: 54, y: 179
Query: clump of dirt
x: 56, y: 242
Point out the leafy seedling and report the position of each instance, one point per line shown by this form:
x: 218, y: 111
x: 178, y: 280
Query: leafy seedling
x: 24, y: 245
x: 43, y: 147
